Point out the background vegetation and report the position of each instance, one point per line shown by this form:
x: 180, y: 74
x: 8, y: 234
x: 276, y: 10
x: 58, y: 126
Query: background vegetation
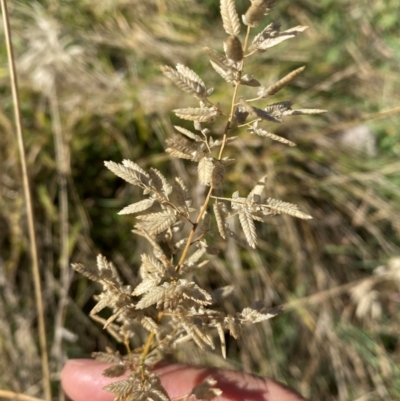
x: 91, y: 90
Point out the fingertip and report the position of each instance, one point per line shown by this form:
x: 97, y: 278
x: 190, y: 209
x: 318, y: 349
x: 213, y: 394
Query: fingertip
x: 82, y: 380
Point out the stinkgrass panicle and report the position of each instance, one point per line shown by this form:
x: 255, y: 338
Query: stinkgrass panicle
x: 168, y: 303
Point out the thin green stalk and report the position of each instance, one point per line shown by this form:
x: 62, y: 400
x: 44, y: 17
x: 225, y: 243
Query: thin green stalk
x: 29, y: 208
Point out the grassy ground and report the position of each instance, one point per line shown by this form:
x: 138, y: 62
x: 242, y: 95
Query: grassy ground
x: 89, y: 76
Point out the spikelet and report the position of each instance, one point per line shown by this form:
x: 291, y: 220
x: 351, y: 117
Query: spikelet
x: 271, y: 36
x: 185, y: 79
x: 233, y: 48
x: 269, y: 135
x: 230, y: 19
x: 204, y: 114
x: 256, y: 12
x: 205, y: 170
x: 220, y: 219
x: 206, y: 390
x: 277, y: 86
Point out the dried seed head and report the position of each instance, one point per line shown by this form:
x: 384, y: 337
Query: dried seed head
x: 233, y: 48
x: 257, y: 10
x: 217, y: 174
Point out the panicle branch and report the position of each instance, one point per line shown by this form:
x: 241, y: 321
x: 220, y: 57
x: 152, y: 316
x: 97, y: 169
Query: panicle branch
x: 167, y: 302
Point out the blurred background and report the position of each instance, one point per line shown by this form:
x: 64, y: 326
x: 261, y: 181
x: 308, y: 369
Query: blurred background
x: 91, y: 90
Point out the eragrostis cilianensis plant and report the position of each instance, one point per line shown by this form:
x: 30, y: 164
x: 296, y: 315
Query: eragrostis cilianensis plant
x: 168, y: 302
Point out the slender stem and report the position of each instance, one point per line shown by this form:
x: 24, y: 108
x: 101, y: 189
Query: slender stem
x: 246, y: 40
x: 29, y: 207
x: 17, y: 396
x: 149, y: 341
x: 62, y: 172
x: 235, y: 92
x: 192, y: 232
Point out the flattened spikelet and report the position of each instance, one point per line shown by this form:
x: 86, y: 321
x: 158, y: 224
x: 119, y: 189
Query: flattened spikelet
x: 156, y: 223
x: 264, y: 115
x: 159, y: 182
x: 146, y: 285
x: 233, y: 326
x: 284, y: 108
x: 218, y: 172
x: 300, y: 112
x: 233, y: 48
x: 195, y: 293
x: 220, y: 219
x: 123, y: 387
x: 129, y: 171
x: 219, y: 58
x: 204, y: 114
x: 256, y: 12
x: 277, y: 86
x: 258, y: 189
x: 109, y: 356
x: 269, y: 135
x: 156, y: 295
x: 225, y: 72
x: 248, y: 80
x: 182, y: 195
x: 179, y: 146
x: 185, y: 79
x: 92, y: 273
x: 189, y: 134
x: 105, y: 301
x: 248, y: 226
x: 115, y: 370
x: 258, y: 313
x: 137, y: 207
x: 149, y: 324
x: 205, y: 170
x: 206, y: 390
x: 230, y: 19
x: 279, y: 206
x: 271, y: 36
x: 151, y: 265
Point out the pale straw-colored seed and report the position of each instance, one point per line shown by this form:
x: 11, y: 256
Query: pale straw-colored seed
x: 218, y: 172
x: 255, y: 13
x: 233, y: 48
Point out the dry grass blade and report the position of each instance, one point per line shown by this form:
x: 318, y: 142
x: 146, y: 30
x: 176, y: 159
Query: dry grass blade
x: 230, y: 19
x: 29, y: 205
